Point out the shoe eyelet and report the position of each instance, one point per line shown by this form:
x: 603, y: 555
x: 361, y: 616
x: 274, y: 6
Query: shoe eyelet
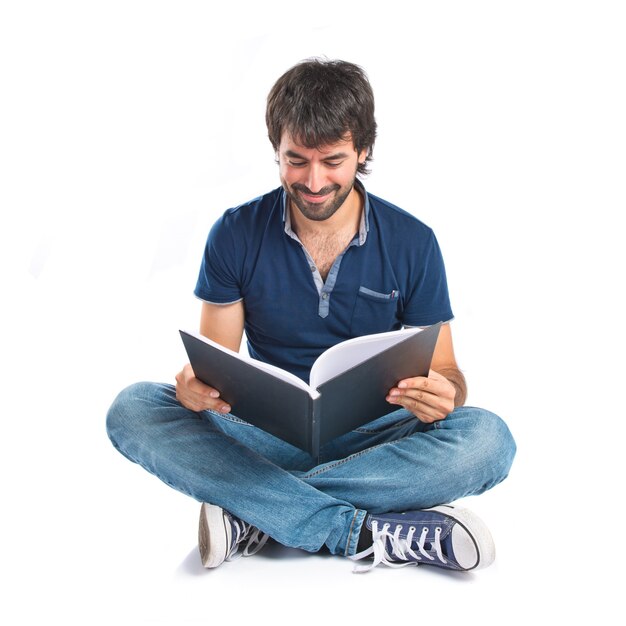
x: 412, y: 528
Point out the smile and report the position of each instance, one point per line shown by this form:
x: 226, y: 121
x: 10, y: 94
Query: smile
x: 315, y: 199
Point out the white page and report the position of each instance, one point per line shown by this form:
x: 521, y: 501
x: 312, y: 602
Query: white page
x: 345, y: 355
x: 283, y: 375
x: 266, y: 367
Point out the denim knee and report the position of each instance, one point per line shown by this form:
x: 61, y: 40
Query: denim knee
x: 133, y: 410
x: 494, y: 442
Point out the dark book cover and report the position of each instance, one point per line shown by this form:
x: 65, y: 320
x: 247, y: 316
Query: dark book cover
x: 304, y: 417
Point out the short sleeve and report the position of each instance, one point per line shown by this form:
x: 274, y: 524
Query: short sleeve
x: 219, y: 279
x: 427, y: 300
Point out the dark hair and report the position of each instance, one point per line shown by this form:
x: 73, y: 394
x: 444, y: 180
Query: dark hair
x: 319, y: 102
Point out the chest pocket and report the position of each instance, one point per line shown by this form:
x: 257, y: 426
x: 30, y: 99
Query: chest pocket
x: 375, y: 311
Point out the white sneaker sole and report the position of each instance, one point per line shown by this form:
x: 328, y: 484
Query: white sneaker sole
x: 213, y: 535
x: 471, y: 540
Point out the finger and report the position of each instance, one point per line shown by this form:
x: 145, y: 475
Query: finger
x: 202, y: 403
x: 188, y: 379
x: 433, y: 396
x: 424, y: 412
x: 405, y: 396
x: 415, y: 398
x: 195, y: 395
x: 195, y: 385
x: 440, y: 403
x: 418, y: 382
x: 436, y: 385
x: 424, y: 405
x: 207, y: 398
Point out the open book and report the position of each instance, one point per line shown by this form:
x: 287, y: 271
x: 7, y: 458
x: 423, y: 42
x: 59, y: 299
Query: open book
x: 348, y: 383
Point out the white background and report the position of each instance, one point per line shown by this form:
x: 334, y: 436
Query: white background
x: 126, y: 128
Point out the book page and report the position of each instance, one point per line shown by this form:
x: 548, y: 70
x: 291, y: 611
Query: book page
x: 283, y: 375
x: 277, y: 372
x: 345, y: 355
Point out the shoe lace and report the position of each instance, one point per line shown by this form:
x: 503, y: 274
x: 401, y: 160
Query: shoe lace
x: 392, y: 550
x: 254, y: 540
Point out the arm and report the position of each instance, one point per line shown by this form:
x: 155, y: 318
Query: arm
x: 444, y: 362
x: 223, y: 324
x: 432, y: 398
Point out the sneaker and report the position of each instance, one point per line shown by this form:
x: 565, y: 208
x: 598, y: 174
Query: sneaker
x: 221, y: 534
x: 445, y: 536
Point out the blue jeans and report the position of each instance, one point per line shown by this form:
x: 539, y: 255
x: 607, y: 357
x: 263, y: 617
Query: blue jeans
x: 395, y: 463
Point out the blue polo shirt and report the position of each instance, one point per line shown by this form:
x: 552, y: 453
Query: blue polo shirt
x: 391, y: 275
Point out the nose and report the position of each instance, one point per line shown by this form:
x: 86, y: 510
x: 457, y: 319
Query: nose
x: 314, y: 177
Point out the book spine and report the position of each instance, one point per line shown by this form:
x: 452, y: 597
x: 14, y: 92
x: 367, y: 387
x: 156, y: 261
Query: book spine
x: 314, y: 438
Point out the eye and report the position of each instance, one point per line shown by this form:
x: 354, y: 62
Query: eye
x: 333, y: 164
x: 296, y: 163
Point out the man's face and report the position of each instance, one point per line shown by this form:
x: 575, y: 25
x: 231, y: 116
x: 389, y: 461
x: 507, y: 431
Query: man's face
x: 318, y: 180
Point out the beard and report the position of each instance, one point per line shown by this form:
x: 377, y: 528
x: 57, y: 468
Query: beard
x: 315, y: 211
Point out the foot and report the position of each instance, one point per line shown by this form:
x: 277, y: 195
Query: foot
x: 221, y: 534
x: 445, y: 536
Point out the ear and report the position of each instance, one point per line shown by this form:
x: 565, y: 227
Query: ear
x: 362, y: 156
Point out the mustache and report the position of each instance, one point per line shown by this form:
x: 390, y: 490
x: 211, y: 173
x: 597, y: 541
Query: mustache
x: 322, y: 192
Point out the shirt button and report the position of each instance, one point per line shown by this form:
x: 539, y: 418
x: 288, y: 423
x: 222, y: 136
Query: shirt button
x: 312, y: 268
x: 324, y: 296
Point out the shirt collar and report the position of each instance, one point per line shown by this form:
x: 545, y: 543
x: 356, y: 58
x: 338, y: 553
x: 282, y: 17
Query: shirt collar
x: 363, y: 227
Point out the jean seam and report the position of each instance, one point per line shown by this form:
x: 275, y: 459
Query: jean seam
x: 349, y: 541
x: 356, y: 455
x: 376, y: 431
x: 229, y: 417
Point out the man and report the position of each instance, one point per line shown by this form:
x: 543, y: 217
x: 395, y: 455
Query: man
x: 312, y: 263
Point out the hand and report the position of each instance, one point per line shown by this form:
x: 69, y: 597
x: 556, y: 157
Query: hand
x: 429, y: 399
x: 193, y: 394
